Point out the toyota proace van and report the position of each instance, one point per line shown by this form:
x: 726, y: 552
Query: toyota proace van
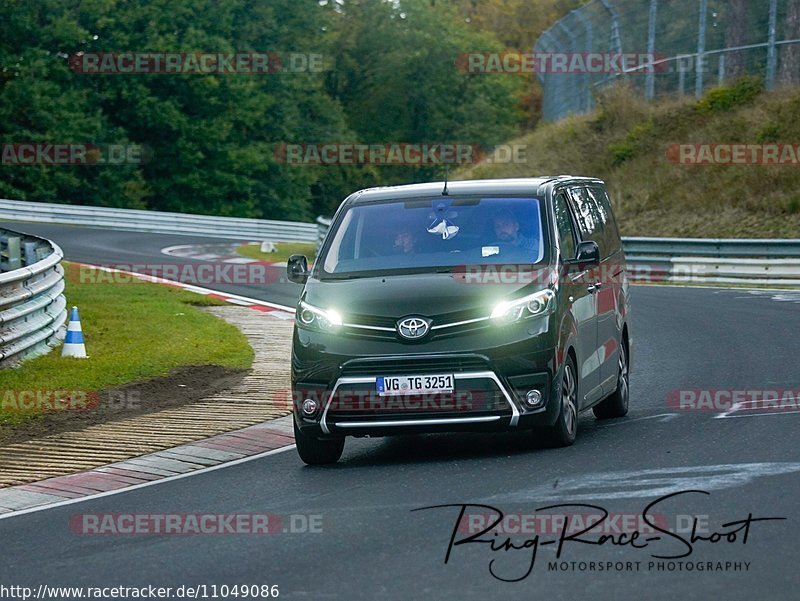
x: 462, y: 306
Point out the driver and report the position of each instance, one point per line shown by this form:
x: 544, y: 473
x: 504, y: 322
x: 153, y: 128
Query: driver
x: 506, y: 231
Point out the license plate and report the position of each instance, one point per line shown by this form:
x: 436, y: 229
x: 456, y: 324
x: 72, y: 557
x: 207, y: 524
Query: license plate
x: 430, y: 384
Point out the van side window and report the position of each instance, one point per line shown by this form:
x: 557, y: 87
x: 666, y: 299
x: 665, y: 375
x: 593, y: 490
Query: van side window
x: 612, y: 238
x: 590, y: 222
x: 593, y: 218
x: 566, y: 233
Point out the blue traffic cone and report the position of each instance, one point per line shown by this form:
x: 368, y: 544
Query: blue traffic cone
x: 73, y: 343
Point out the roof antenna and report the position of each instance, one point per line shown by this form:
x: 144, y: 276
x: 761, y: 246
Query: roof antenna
x: 445, y: 191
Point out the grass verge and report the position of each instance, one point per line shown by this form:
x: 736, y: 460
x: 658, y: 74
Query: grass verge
x: 134, y: 331
x: 285, y: 250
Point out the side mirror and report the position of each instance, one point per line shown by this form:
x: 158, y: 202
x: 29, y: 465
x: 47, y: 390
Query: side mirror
x: 297, y: 269
x: 587, y: 255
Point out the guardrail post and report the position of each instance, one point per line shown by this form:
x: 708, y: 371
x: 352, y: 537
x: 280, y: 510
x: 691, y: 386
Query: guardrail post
x: 30, y: 253
x: 11, y: 259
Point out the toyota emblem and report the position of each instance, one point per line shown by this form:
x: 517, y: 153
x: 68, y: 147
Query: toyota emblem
x: 413, y: 328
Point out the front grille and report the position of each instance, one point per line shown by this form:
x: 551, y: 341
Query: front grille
x: 415, y: 365
x: 372, y: 320
x: 456, y: 317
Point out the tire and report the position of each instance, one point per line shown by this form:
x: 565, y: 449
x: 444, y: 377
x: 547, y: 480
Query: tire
x: 616, y: 405
x: 315, y: 451
x: 565, y: 430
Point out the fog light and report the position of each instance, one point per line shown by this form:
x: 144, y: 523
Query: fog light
x: 309, y: 407
x: 533, y: 398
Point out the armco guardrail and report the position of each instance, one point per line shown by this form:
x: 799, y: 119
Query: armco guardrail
x: 33, y: 310
x: 159, y: 222
x: 715, y: 261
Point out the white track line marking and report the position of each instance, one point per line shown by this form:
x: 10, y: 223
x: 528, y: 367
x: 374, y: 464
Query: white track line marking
x: 646, y: 483
x: 205, y: 470
x: 665, y: 417
x: 756, y: 414
x: 743, y: 406
x: 168, y: 250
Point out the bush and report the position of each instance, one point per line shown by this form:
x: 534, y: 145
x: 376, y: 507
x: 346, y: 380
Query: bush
x: 725, y: 98
x: 770, y: 133
x: 622, y: 151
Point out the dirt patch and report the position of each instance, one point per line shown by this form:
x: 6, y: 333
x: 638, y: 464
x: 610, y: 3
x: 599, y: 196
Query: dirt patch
x: 183, y: 386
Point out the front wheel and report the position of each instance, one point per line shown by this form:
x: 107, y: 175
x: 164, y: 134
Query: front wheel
x: 564, y: 431
x: 616, y: 405
x: 316, y: 451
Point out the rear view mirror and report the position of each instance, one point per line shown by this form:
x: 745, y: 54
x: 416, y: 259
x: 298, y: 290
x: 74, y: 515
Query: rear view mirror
x: 297, y: 269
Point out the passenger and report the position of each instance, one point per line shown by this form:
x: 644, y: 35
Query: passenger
x: 404, y: 242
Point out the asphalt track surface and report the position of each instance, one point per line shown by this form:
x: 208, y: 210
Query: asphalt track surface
x: 373, y: 544
x: 114, y: 248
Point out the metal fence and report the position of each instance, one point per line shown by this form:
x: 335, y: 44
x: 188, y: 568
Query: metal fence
x: 159, y: 222
x: 689, y: 45
x: 33, y: 310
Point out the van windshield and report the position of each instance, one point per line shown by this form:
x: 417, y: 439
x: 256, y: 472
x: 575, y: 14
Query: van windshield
x: 426, y: 235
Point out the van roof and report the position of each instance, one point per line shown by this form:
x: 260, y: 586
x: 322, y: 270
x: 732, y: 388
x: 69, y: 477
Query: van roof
x: 520, y: 185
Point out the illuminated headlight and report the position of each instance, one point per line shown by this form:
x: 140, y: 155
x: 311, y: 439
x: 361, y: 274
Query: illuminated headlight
x: 314, y: 317
x: 539, y: 303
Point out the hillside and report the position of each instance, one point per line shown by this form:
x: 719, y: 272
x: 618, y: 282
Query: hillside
x: 626, y: 142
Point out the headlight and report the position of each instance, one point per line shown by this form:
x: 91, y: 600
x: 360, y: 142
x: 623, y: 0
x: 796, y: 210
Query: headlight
x: 313, y: 317
x: 539, y: 303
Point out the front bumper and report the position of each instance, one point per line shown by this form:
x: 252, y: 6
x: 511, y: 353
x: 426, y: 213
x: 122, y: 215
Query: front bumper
x: 489, y: 395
